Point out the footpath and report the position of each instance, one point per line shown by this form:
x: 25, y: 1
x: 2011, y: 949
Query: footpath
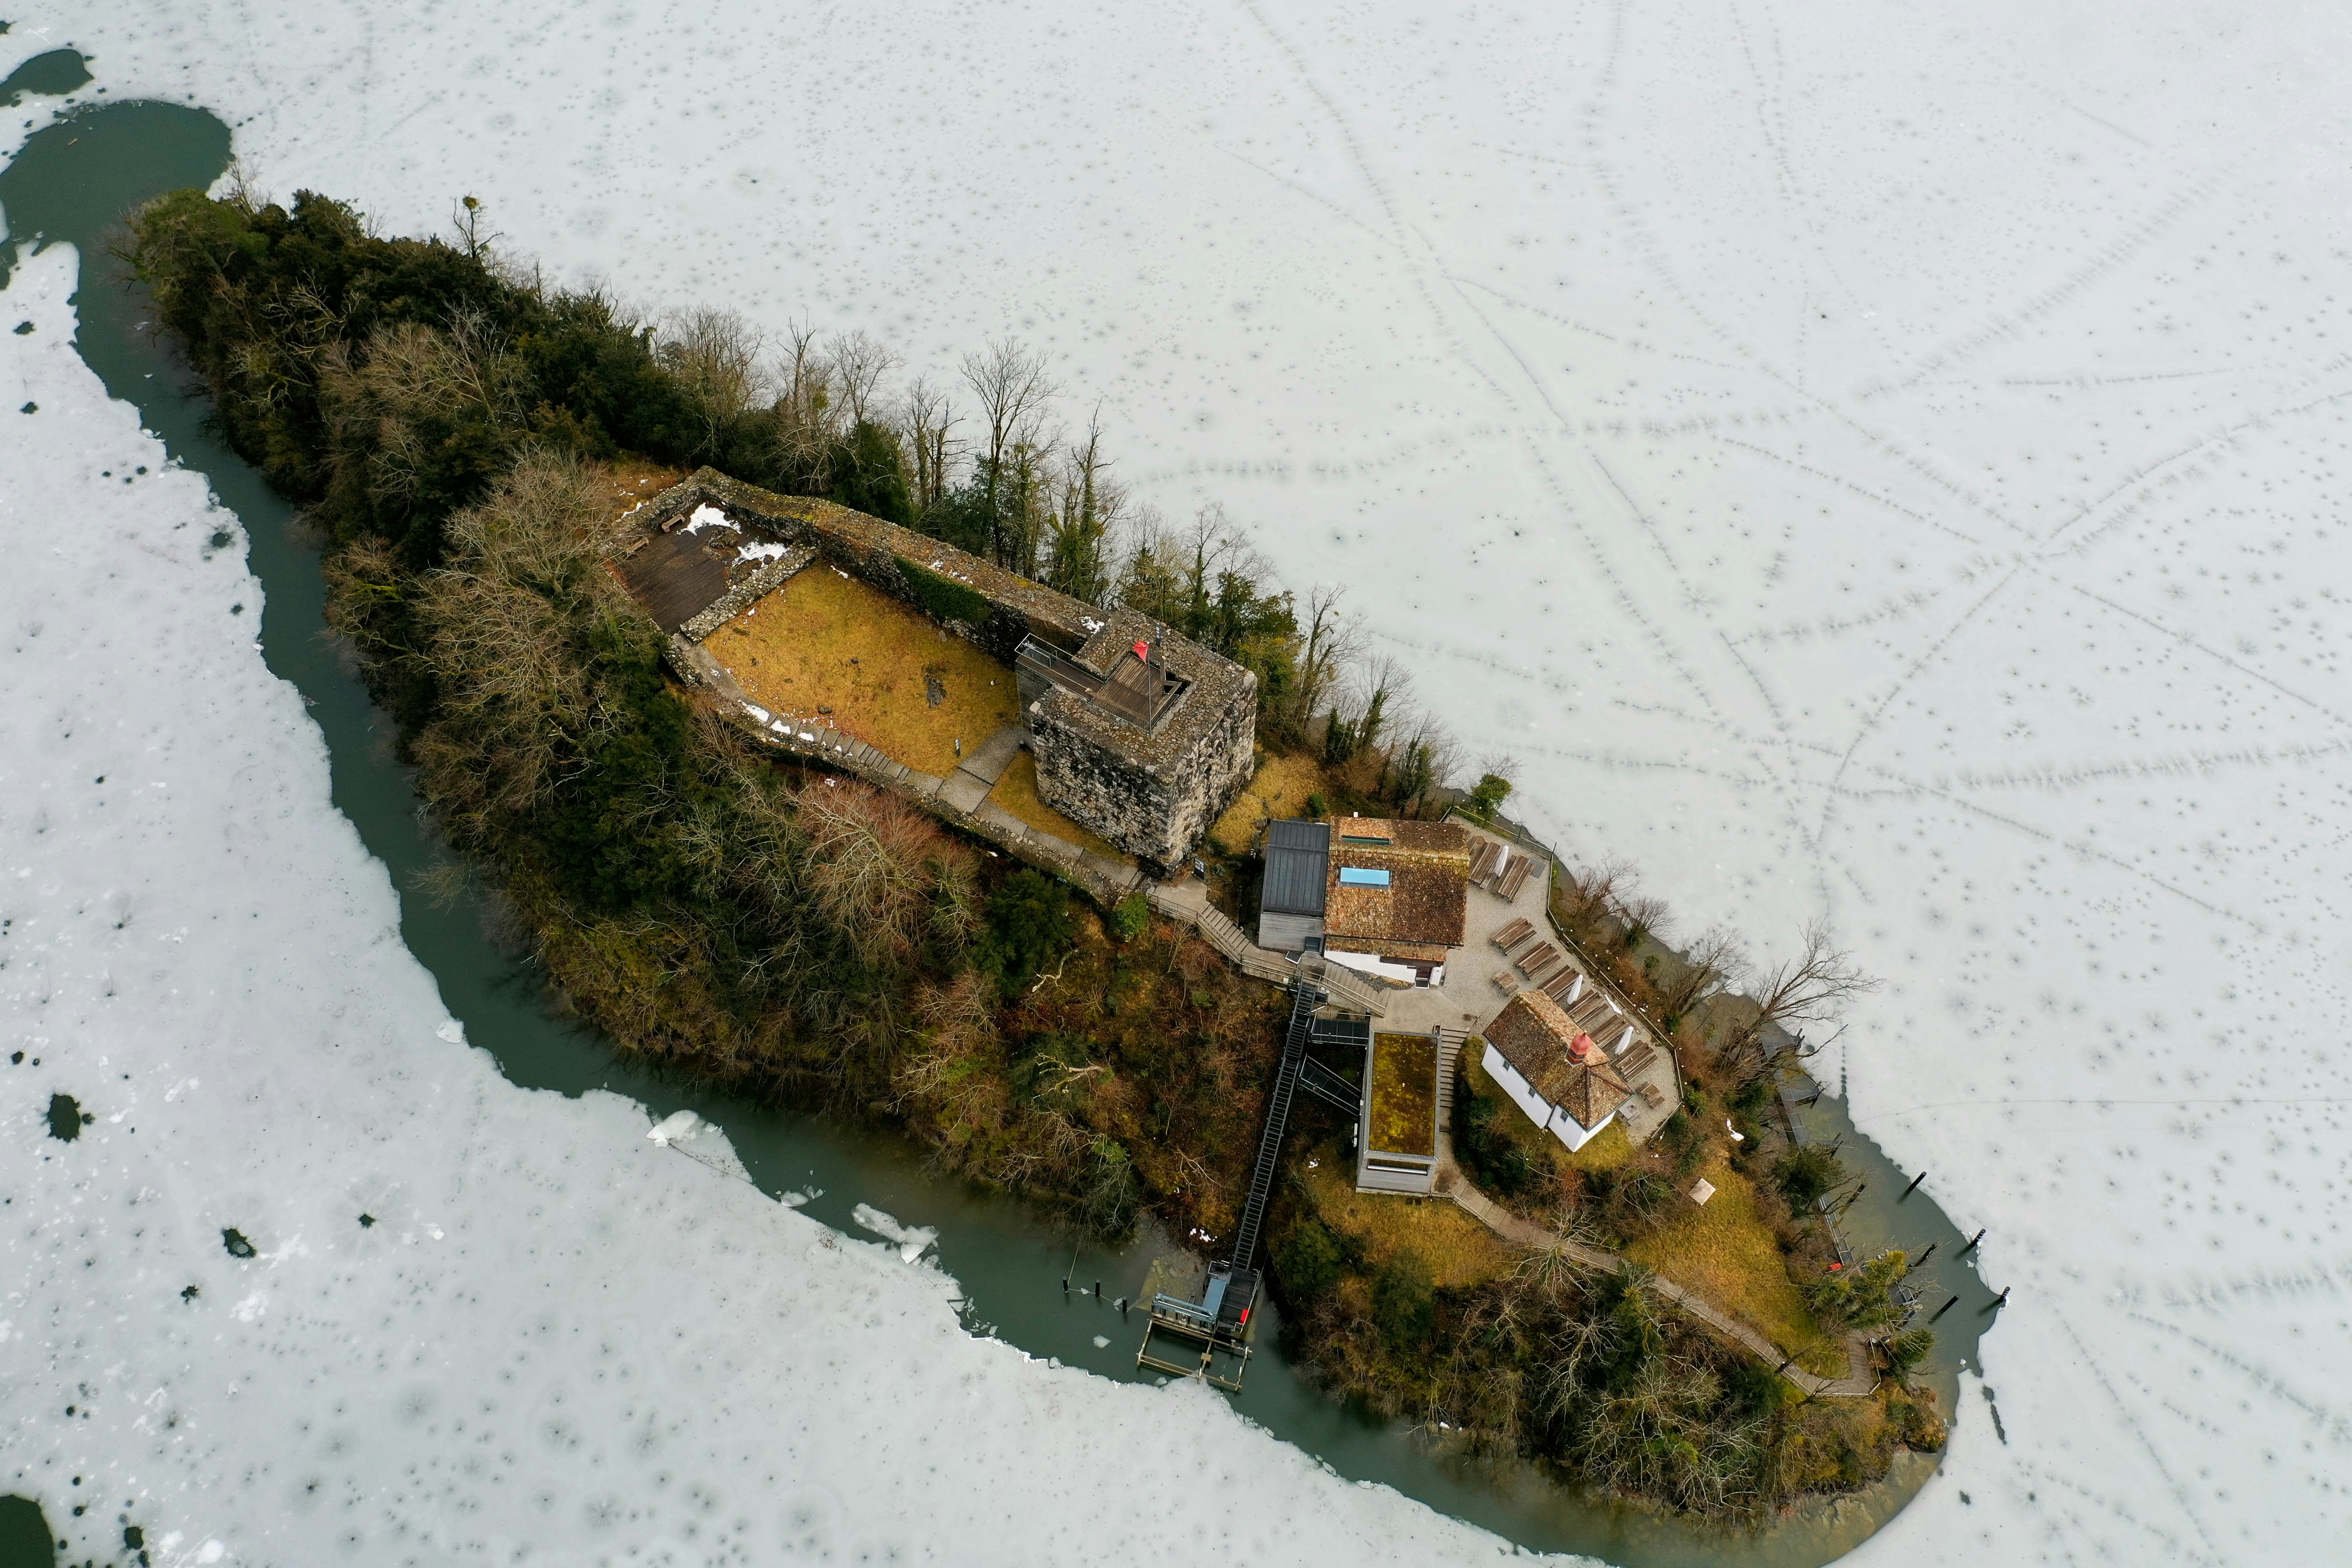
x: 1857, y: 1384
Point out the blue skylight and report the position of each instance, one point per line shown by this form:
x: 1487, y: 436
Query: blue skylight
x: 1362, y: 877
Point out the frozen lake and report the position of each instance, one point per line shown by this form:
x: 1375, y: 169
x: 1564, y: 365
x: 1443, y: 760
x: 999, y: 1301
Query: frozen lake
x: 1862, y: 463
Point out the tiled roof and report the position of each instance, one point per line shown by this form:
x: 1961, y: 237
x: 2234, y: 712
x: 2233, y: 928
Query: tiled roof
x: 1427, y: 895
x: 1533, y: 1034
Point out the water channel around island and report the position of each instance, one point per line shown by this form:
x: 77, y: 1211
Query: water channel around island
x: 70, y: 184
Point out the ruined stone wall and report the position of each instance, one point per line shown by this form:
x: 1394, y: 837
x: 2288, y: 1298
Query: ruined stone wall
x: 869, y: 550
x: 1153, y: 792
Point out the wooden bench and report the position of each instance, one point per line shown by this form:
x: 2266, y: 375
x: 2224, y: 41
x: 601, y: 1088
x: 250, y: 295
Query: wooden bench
x: 1514, y: 879
x: 1562, y: 987
x: 1543, y: 955
x: 1511, y: 935
x: 1482, y: 858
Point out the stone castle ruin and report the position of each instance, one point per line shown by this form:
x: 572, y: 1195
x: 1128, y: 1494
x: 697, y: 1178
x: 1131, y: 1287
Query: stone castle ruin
x: 1139, y: 735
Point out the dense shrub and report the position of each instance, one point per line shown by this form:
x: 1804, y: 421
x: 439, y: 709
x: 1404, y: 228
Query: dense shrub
x: 1130, y: 917
x: 1405, y: 1300
x: 1028, y: 925
x: 1807, y: 1173
x: 1307, y: 1261
x: 1495, y: 1161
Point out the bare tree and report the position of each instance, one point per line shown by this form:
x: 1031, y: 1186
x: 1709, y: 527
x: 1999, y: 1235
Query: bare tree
x: 1587, y: 895
x: 1013, y: 389
x: 715, y: 355
x: 1333, y: 641
x: 1713, y: 960
x: 471, y: 219
x: 866, y: 871
x: 1811, y: 989
x: 1089, y: 505
x: 1387, y: 687
x: 1646, y: 918
x: 859, y: 363
x: 931, y: 422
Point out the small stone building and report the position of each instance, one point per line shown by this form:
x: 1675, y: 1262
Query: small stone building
x: 1139, y: 734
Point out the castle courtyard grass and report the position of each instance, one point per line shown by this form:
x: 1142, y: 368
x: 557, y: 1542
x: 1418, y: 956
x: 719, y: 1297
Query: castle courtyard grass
x: 824, y: 640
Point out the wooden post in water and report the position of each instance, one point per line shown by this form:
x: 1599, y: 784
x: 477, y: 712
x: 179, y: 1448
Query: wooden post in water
x: 1944, y: 1307
x: 2000, y: 1301
x: 1923, y: 1257
x: 1914, y: 1186
x: 1971, y: 1247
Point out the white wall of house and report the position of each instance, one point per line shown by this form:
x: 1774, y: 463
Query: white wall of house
x: 1572, y: 1132
x: 1371, y: 963
x: 1544, y: 1114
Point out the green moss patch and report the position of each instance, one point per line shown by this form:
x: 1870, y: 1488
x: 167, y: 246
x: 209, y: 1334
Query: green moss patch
x: 943, y: 598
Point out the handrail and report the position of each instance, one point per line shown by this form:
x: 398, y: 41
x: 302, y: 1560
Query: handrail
x: 1177, y: 1306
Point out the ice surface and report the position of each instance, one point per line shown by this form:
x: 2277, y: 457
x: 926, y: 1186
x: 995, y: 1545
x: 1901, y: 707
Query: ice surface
x: 1864, y: 459
x: 913, y: 1240
x: 553, y: 1342
x: 676, y: 1124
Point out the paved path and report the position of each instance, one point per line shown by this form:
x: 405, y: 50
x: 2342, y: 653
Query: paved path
x: 1453, y: 1183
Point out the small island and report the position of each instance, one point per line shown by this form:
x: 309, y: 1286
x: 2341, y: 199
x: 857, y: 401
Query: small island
x: 883, y: 757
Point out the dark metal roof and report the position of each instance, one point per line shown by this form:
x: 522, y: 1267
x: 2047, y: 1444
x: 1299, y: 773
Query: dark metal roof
x: 1297, y: 860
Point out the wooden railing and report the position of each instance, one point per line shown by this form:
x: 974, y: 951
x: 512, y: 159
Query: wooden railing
x: 1348, y: 990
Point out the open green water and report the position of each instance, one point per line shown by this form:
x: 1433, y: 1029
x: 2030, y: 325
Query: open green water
x: 72, y: 181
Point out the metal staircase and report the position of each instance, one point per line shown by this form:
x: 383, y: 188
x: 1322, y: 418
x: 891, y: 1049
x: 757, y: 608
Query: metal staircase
x: 1304, y: 1000
x: 1216, y: 1328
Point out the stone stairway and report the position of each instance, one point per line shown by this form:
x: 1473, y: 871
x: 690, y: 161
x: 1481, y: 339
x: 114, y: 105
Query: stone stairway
x: 1449, y: 1053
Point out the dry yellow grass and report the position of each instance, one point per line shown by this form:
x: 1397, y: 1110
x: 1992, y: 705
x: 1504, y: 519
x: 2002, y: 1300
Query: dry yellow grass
x: 1404, y: 1094
x: 826, y: 640
x: 1608, y: 1149
x: 1457, y: 1248
x: 1280, y: 789
x: 1726, y: 1252
x: 1016, y: 792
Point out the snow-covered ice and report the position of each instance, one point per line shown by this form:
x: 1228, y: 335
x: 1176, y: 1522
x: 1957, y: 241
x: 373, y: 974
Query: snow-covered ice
x: 1864, y: 459
x: 912, y: 1240
x: 550, y: 1339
